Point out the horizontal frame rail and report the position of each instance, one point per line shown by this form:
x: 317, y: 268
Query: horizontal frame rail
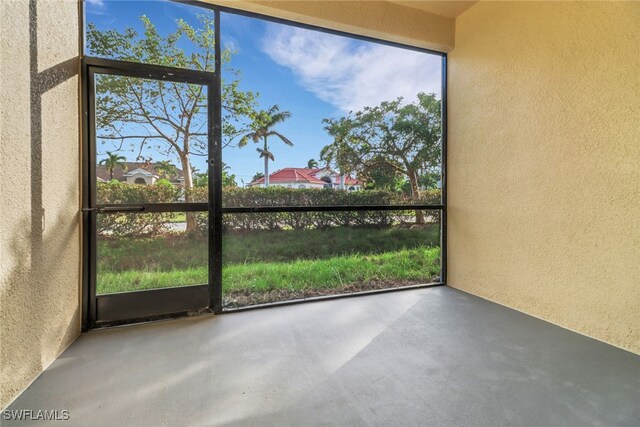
x: 331, y: 208
x: 203, y: 207
x: 152, y: 208
x: 140, y: 304
x: 330, y: 297
x: 148, y: 71
x: 127, y: 298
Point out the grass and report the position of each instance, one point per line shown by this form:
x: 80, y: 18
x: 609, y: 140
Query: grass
x: 263, y: 266
x: 418, y: 264
x: 183, y: 252
x: 410, y: 264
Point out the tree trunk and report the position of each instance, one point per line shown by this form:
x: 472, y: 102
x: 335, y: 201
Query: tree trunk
x: 266, y: 163
x: 188, y: 185
x: 415, y: 194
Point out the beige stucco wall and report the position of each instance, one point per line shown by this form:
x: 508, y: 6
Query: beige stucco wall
x: 379, y: 19
x: 544, y: 162
x: 39, y: 179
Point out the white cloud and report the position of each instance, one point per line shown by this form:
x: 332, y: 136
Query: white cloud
x: 349, y: 74
x: 98, y: 3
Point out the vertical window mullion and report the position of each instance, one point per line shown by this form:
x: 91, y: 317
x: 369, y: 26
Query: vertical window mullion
x: 443, y: 174
x: 215, y: 177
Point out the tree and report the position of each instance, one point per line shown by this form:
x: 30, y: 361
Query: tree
x: 228, y: 179
x: 257, y: 176
x: 166, y: 118
x: 166, y: 169
x: 202, y: 179
x: 403, y: 137
x: 262, y: 129
x: 381, y: 176
x: 430, y: 179
x: 341, y: 153
x: 112, y: 161
x: 312, y: 164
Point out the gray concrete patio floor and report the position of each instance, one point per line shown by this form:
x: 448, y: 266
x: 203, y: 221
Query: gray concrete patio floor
x: 424, y: 357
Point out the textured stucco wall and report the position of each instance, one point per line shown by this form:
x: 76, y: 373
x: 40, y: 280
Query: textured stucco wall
x: 379, y: 19
x: 544, y: 162
x: 39, y: 176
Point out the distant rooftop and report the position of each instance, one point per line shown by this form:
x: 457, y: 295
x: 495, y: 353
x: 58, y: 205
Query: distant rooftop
x: 118, y: 173
x: 301, y: 175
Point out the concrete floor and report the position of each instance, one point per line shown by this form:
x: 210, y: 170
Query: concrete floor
x: 424, y: 357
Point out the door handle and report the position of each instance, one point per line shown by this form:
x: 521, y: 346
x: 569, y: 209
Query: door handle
x: 121, y: 209
x: 115, y: 209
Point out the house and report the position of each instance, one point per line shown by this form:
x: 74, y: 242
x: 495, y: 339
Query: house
x: 309, y: 178
x: 142, y: 173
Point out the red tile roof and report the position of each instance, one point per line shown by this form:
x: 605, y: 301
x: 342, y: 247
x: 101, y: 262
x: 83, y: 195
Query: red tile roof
x: 352, y: 181
x: 302, y: 175
x: 292, y: 175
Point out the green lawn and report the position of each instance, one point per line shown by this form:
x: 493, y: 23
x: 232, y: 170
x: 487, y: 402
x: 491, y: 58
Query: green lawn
x: 265, y: 266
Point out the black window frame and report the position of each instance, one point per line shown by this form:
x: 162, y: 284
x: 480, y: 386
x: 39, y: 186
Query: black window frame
x: 212, y: 290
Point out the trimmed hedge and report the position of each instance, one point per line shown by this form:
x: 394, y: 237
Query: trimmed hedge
x: 135, y: 224
x: 148, y: 224
x: 316, y: 220
x: 128, y: 194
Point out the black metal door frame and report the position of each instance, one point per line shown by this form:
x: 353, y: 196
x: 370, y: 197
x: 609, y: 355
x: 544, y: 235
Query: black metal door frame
x: 174, y: 302
x: 154, y: 303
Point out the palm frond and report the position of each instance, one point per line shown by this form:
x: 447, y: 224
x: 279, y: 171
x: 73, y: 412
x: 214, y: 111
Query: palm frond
x: 265, y: 153
x: 276, y: 116
x: 274, y: 109
x: 282, y: 137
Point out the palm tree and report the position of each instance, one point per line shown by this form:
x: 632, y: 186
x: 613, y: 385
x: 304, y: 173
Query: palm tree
x: 263, y: 124
x: 312, y: 164
x: 112, y: 161
x: 267, y: 155
x: 257, y: 176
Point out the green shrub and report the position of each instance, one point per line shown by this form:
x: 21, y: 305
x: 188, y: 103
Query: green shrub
x: 135, y: 224
x: 164, y: 182
x: 120, y: 193
x: 281, y: 196
x: 146, y: 224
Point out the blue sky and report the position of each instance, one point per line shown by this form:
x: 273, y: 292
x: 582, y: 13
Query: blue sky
x: 313, y: 75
